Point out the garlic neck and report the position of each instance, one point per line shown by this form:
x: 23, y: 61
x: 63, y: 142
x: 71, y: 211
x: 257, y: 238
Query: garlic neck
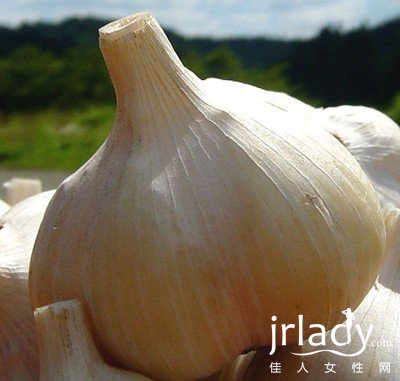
x: 144, y: 67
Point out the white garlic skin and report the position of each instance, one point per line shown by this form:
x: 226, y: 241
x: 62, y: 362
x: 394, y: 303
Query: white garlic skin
x: 251, y: 100
x: 374, y: 140
x: 369, y: 135
x: 19, y: 358
x: 193, y: 225
x: 3, y: 207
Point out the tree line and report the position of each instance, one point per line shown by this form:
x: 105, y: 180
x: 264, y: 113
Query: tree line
x: 46, y: 65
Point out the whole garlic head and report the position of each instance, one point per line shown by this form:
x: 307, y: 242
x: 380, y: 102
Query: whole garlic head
x: 193, y: 224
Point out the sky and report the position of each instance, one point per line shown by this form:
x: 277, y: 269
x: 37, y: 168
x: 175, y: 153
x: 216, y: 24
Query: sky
x: 217, y: 18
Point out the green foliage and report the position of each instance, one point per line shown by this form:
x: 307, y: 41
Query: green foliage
x: 222, y: 63
x: 60, y: 66
x: 357, y: 67
x: 52, y: 38
x: 57, y: 101
x: 275, y: 78
x: 31, y: 79
x: 27, y: 78
x: 394, y: 109
x: 53, y: 139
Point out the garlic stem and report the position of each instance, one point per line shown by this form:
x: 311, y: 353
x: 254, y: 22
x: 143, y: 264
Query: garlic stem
x: 149, y: 50
x: 67, y: 351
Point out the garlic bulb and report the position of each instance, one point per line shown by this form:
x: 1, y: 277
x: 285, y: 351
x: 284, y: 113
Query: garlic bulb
x: 193, y: 225
x: 18, y: 228
x: 67, y: 351
x: 3, y: 207
x: 374, y: 140
x: 18, y: 189
x: 380, y: 308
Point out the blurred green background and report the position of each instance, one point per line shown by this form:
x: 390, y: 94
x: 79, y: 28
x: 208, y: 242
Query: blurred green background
x: 57, y: 102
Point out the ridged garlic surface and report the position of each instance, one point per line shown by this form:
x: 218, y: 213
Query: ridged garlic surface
x: 193, y: 224
x: 380, y: 308
x: 369, y: 135
x: 18, y: 348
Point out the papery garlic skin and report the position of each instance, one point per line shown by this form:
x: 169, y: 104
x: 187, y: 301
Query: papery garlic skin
x: 67, y: 351
x: 193, y: 225
x: 18, y: 348
x: 374, y: 140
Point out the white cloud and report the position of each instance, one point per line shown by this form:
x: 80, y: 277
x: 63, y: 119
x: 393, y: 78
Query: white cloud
x: 307, y: 20
x: 290, y: 18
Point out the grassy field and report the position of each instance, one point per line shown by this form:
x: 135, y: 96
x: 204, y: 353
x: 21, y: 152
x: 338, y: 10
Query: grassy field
x: 65, y: 139
x: 53, y: 139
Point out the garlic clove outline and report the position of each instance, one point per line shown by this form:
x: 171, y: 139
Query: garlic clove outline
x: 174, y: 235
x: 67, y: 351
x: 19, y: 358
